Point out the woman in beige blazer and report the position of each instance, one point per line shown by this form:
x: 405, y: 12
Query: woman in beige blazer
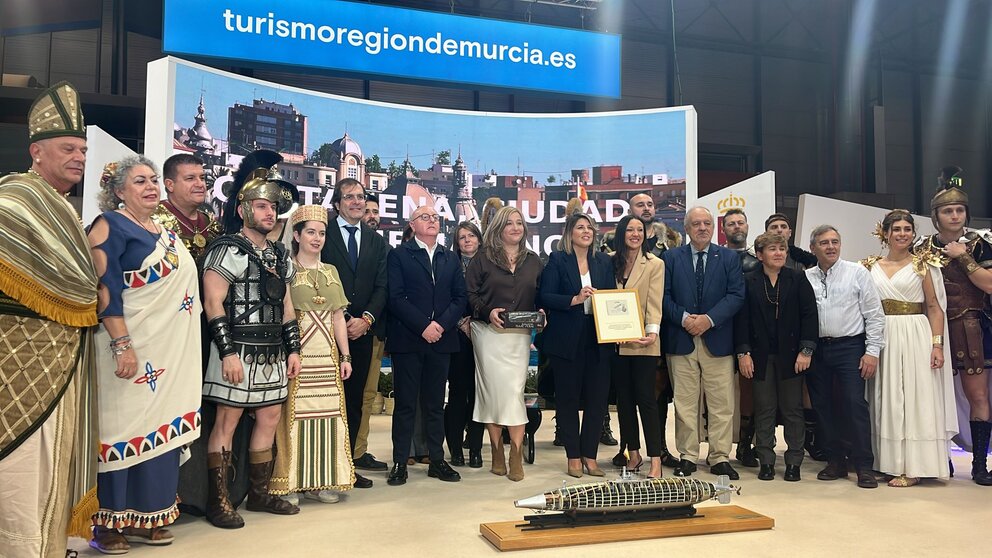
x: 635, y: 362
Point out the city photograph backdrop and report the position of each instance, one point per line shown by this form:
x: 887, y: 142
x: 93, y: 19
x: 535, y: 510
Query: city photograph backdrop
x: 410, y: 156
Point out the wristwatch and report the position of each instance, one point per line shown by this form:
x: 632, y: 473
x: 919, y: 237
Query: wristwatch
x: 742, y: 355
x: 806, y: 351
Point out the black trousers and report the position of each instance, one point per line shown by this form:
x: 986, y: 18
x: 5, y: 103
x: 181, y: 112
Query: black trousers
x: 837, y: 360
x: 419, y: 377
x: 461, y: 400
x: 634, y: 380
x: 354, y: 386
x: 774, y: 395
x: 586, y: 378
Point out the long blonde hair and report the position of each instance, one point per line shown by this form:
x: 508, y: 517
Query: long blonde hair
x: 492, y: 239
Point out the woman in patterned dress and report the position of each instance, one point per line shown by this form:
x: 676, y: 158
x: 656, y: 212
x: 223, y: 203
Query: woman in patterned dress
x: 147, y: 359
x: 314, y: 456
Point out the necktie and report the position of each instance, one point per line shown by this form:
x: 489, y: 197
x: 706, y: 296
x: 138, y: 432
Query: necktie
x: 699, y: 277
x: 352, y: 246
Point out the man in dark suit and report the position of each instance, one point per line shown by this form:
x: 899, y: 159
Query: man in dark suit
x: 704, y: 289
x: 359, y: 254
x: 427, y: 297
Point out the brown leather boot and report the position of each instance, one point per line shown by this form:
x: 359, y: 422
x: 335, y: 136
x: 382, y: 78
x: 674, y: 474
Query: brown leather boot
x: 516, y: 463
x: 220, y: 512
x: 260, y: 464
x: 499, y: 460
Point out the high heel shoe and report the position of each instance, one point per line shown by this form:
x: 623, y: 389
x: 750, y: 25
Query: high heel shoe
x: 635, y: 466
x: 596, y: 472
x: 574, y: 472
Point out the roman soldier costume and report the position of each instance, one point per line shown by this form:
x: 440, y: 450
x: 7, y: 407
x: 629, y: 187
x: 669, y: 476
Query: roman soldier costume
x: 969, y: 319
x: 252, y: 328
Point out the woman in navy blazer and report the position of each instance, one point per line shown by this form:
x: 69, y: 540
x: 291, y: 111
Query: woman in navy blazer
x: 579, y: 362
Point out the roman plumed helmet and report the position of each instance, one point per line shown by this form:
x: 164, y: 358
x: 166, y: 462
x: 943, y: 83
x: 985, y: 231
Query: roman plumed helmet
x: 257, y: 179
x: 950, y: 191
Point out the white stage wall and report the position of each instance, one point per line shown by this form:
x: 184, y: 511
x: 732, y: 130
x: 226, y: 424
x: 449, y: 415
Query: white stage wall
x: 756, y: 196
x: 854, y: 221
x: 102, y: 148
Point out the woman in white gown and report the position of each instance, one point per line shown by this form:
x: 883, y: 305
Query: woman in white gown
x: 911, y: 398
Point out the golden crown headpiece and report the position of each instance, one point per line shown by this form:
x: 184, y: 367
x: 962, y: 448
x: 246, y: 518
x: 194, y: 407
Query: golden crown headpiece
x: 732, y: 201
x: 267, y: 184
x: 55, y: 113
x: 308, y: 213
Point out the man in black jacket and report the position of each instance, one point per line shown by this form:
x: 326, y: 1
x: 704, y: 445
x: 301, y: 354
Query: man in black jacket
x: 799, y: 259
x: 427, y: 298
x: 359, y: 254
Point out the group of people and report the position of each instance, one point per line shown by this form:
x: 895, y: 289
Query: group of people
x: 255, y: 365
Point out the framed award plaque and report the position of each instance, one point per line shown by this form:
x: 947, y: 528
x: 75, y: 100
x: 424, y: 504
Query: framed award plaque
x: 617, y: 313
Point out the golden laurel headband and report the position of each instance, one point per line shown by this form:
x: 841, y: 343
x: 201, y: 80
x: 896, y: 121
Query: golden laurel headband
x: 308, y: 213
x: 109, y: 172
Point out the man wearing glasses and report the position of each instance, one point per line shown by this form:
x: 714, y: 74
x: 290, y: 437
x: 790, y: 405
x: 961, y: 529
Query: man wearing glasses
x: 851, y: 326
x: 359, y: 254
x: 427, y: 298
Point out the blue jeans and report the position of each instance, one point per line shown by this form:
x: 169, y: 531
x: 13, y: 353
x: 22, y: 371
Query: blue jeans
x: 844, y: 412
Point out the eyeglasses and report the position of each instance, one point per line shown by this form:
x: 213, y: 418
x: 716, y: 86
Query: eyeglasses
x: 428, y: 217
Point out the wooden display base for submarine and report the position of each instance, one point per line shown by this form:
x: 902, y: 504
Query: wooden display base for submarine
x: 508, y: 535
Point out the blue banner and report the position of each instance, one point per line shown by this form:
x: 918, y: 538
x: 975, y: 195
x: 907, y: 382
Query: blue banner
x: 414, y: 44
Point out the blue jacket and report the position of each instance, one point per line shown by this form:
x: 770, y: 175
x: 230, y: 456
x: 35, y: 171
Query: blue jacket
x: 559, y: 283
x: 723, y: 296
x: 417, y: 297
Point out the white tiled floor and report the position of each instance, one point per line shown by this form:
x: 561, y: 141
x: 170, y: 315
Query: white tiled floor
x: 431, y: 518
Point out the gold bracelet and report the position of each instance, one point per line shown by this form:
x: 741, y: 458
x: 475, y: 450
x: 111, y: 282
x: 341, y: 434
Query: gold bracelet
x: 345, y: 358
x: 938, y: 340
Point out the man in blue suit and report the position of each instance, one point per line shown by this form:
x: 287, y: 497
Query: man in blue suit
x: 426, y: 299
x: 704, y: 288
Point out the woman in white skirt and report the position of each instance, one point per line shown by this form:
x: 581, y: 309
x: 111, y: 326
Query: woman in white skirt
x: 503, y: 277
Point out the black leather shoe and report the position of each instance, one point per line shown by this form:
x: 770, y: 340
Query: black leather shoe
x: 368, y: 462
x: 458, y: 459
x: 362, y: 482
x: 606, y: 438
x: 685, y: 469
x: 866, y: 479
x: 397, y: 475
x: 833, y: 471
x: 442, y: 471
x: 725, y: 469
x: 745, y: 455
x: 792, y: 473
x: 669, y: 460
x: 475, y: 459
x: 767, y: 472
x: 619, y: 460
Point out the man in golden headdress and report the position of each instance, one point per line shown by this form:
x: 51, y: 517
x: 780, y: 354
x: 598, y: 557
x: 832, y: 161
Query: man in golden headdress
x: 47, y: 299
x: 966, y: 261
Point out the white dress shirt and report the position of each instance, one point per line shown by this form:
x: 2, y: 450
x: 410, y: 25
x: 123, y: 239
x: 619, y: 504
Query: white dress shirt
x: 586, y: 280
x: 345, y: 234
x: 848, y: 304
x: 430, y: 253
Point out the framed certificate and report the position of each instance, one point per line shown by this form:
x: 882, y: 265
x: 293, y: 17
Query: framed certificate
x: 617, y: 313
